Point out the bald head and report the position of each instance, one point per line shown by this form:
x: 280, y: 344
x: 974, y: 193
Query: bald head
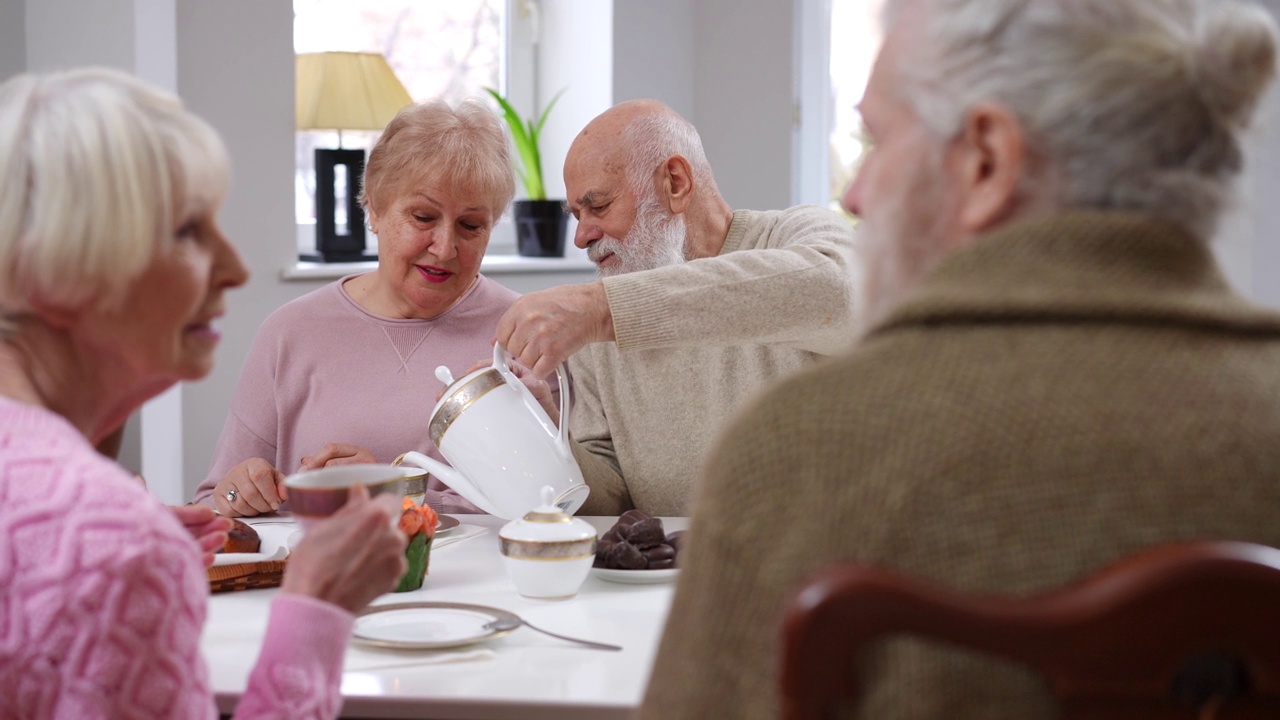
x: 610, y: 125
x: 634, y: 139
x: 639, y: 184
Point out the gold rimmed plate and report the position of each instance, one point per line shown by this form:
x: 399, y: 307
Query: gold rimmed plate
x: 430, y: 625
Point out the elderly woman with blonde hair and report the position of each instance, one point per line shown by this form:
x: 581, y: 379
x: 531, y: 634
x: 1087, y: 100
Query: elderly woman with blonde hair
x: 112, y: 273
x: 346, y: 374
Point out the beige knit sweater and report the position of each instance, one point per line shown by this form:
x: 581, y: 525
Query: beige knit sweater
x: 1057, y: 395
x: 694, y: 341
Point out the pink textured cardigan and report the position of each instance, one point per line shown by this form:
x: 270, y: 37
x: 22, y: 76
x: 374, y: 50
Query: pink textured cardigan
x: 102, y: 597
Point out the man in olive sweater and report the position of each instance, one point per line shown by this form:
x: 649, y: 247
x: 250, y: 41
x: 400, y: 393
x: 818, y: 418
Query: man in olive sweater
x: 699, y: 308
x: 1059, y: 374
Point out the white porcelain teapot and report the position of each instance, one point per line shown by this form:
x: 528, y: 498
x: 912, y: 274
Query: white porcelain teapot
x: 503, y: 447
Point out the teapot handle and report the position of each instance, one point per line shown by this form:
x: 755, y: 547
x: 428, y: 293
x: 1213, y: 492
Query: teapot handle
x: 500, y: 356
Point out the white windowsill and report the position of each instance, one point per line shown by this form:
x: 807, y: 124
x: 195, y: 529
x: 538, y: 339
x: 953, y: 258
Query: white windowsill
x: 490, y: 265
x: 500, y: 260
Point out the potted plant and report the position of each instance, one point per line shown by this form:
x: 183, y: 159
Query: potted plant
x: 540, y: 223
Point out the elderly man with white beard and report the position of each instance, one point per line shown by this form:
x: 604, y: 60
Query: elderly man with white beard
x: 699, y: 306
x: 1058, y: 374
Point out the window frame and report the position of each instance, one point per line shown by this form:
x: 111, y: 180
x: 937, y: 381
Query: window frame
x: 518, y: 81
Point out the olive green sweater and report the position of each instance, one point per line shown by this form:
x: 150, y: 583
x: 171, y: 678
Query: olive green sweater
x: 695, y: 341
x: 1056, y: 395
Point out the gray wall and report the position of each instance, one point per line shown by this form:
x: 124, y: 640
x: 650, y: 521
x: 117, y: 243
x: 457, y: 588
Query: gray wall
x: 248, y: 95
x: 1261, y: 241
x: 743, y: 98
x: 728, y: 71
x: 653, y: 50
x: 13, y: 37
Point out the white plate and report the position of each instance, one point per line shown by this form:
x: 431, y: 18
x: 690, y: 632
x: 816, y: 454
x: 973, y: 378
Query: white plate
x: 445, y: 523
x: 427, y: 625
x: 636, y: 577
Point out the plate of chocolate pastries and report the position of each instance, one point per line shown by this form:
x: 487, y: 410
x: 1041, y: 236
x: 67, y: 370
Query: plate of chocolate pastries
x: 637, y: 550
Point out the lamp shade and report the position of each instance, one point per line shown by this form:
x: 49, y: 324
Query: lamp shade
x: 347, y: 91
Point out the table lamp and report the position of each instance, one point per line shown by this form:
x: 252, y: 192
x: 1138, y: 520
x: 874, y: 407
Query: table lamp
x: 344, y: 91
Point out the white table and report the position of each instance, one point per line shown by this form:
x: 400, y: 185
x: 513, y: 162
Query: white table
x: 528, y: 676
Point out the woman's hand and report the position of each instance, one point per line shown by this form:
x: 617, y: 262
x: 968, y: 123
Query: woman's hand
x: 258, y: 488
x: 337, y: 454
x: 209, y: 530
x: 540, y: 388
x: 351, y: 557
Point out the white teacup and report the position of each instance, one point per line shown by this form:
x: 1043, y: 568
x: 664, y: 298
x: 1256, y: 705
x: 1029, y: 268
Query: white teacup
x: 315, y: 494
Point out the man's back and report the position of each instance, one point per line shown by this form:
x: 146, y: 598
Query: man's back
x: 1056, y: 396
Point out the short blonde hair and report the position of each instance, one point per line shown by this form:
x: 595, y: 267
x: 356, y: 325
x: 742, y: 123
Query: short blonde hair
x: 96, y: 169
x: 465, y: 147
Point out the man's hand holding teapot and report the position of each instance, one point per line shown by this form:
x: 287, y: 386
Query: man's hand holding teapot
x: 542, y: 329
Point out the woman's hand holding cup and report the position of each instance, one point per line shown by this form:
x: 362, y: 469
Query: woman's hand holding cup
x: 351, y: 557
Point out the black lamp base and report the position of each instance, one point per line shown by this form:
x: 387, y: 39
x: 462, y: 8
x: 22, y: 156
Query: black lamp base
x: 331, y: 246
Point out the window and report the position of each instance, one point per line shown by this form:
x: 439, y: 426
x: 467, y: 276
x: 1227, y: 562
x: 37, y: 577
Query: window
x: 837, y: 41
x: 855, y: 38
x: 449, y: 50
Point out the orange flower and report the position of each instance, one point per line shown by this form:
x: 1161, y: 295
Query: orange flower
x: 416, y: 518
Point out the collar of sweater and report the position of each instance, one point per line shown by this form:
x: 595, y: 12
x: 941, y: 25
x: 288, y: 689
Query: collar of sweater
x: 1082, y: 267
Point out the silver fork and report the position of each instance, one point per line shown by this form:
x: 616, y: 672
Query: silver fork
x: 511, y: 623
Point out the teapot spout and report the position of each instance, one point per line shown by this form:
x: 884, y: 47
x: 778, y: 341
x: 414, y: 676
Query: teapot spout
x: 449, y: 476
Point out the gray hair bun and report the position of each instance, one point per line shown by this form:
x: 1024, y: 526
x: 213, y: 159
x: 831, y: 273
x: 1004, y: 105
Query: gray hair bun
x: 1235, y: 57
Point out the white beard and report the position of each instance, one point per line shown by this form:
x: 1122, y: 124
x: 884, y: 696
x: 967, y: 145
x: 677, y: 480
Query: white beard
x: 901, y: 243
x: 655, y: 240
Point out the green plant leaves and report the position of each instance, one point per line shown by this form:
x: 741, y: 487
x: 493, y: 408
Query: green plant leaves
x: 525, y: 136
x: 417, y: 555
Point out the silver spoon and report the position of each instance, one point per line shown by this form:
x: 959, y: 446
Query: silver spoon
x: 511, y: 623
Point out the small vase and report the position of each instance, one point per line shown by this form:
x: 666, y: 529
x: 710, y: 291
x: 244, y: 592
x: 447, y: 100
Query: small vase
x: 540, y: 228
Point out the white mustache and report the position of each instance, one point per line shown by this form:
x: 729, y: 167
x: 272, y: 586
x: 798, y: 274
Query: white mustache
x: 597, y: 250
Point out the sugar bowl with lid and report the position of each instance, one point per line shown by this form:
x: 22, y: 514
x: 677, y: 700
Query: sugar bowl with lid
x: 548, y: 553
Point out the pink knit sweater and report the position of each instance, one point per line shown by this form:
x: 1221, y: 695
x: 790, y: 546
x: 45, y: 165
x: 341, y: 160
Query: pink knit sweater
x: 102, y: 597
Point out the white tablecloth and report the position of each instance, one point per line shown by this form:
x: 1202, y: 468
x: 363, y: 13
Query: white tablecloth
x: 522, y: 676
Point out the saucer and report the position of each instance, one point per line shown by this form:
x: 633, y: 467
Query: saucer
x: 431, y: 625
x: 446, y: 523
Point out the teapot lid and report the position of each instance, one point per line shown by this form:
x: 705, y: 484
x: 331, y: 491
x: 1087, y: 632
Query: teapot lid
x: 547, y: 523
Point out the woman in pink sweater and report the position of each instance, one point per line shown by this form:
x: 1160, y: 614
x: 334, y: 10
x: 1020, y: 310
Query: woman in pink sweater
x: 112, y: 271
x: 346, y: 373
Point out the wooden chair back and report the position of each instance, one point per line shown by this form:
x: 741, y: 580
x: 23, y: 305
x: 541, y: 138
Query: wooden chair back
x: 1188, y: 630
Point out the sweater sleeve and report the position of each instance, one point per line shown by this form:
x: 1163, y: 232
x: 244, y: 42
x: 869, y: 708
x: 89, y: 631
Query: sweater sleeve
x: 592, y: 445
x: 782, y: 278
x: 299, y: 672
x: 252, y: 422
